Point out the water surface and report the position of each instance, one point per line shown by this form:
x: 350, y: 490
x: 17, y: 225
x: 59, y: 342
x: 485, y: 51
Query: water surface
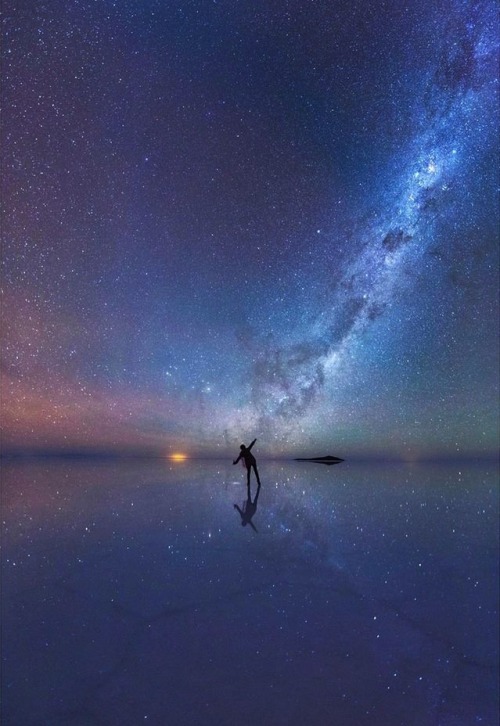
x: 132, y: 594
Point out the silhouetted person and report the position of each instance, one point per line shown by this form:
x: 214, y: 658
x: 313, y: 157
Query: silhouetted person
x: 249, y: 509
x: 250, y: 462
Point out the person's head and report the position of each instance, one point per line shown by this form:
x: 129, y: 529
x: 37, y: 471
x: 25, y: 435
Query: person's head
x: 243, y: 447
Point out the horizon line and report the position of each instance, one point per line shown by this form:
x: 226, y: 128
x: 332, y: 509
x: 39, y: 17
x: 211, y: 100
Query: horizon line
x: 115, y: 455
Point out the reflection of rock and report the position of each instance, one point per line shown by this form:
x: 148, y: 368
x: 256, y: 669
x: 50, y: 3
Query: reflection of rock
x: 328, y: 460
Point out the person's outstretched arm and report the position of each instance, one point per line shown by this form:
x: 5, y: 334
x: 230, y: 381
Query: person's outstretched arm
x: 236, y: 460
x: 253, y: 442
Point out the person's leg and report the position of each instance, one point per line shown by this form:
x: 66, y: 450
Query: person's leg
x: 256, y: 474
x: 248, y: 478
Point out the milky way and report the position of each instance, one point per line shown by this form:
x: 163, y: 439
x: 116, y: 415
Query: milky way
x: 231, y: 220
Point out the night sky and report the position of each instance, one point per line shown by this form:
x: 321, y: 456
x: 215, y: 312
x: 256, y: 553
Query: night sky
x: 235, y: 219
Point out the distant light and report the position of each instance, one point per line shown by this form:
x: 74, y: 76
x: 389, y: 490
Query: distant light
x: 177, y: 457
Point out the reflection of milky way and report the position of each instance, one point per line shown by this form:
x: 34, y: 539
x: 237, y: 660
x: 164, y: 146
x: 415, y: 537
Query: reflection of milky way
x: 260, y: 222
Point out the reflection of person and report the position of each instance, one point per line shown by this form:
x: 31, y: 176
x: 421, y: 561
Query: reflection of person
x: 249, y: 460
x: 249, y: 509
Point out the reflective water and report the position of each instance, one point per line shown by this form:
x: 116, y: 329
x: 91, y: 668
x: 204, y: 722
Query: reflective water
x: 364, y: 595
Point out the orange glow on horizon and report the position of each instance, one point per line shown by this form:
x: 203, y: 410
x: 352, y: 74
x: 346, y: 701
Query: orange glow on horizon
x: 177, y: 457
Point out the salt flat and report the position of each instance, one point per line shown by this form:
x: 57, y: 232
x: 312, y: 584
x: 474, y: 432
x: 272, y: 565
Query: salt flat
x: 132, y: 594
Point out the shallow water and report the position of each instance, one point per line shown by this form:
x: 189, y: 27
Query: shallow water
x: 132, y: 594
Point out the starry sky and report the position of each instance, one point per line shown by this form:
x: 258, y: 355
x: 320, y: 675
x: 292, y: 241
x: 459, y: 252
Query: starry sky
x: 233, y: 219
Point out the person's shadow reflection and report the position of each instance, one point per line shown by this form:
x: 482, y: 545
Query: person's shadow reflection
x: 249, y: 509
